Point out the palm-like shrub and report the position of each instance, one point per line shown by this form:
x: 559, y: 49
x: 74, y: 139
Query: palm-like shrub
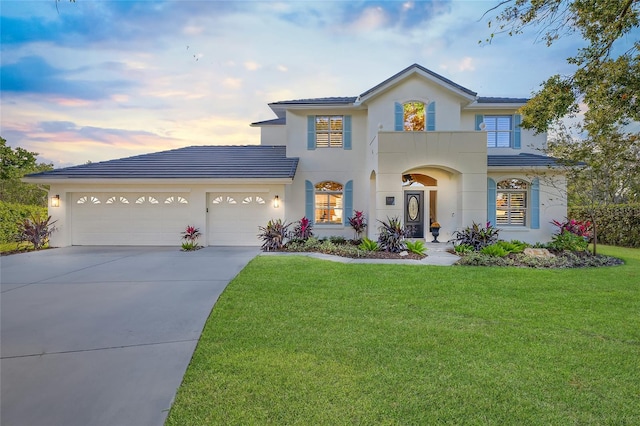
x: 416, y: 247
x: 36, y: 231
x: 368, y: 245
x: 476, y: 236
x: 392, y: 235
x: 274, y: 234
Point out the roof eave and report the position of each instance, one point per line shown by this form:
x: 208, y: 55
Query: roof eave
x: 154, y: 181
x: 463, y: 92
x: 496, y: 105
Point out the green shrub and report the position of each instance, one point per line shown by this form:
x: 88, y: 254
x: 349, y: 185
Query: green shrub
x: 494, y: 250
x: 569, y: 241
x: 416, y: 247
x: 476, y: 258
x: 513, y: 246
x: 368, y: 245
x: 11, y: 214
x: 337, y: 239
x: 617, y: 225
x: 463, y: 249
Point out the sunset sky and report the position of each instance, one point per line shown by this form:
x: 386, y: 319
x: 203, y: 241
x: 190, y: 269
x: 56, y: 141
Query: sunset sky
x: 98, y: 80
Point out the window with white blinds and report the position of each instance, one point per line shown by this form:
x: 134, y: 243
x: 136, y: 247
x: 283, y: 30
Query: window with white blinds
x: 511, y: 202
x: 499, y: 130
x: 329, y: 131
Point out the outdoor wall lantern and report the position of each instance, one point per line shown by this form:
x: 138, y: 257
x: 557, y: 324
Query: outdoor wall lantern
x: 276, y: 202
x: 55, y: 201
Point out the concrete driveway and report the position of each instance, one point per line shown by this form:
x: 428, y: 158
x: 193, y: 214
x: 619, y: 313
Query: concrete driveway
x: 103, y: 335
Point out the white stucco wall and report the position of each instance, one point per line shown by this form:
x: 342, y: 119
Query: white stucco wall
x: 456, y: 159
x: 323, y: 164
x: 273, y: 135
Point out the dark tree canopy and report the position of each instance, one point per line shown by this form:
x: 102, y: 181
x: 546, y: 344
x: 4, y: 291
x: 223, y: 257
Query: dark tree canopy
x: 14, y: 165
x: 607, y: 78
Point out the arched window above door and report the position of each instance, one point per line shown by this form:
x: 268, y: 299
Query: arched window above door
x: 417, y: 179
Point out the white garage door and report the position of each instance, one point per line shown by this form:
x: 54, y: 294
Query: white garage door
x: 234, y: 218
x: 128, y: 218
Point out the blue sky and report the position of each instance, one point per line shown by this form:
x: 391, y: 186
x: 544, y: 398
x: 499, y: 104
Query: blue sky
x: 98, y: 80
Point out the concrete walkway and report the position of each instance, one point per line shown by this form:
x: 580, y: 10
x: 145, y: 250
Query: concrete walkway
x: 103, y: 335
x: 437, y: 254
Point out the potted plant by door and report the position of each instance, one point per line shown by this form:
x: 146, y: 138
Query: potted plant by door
x: 435, y: 231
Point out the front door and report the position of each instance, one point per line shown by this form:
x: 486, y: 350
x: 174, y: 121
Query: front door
x: 413, y: 213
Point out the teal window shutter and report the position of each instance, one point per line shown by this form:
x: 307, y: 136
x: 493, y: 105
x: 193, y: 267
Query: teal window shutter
x: 346, y: 132
x: 348, y: 202
x: 311, y: 132
x: 399, y: 117
x: 431, y: 117
x: 491, y: 201
x: 309, y: 197
x: 517, y: 120
x: 535, y: 204
x: 479, y: 120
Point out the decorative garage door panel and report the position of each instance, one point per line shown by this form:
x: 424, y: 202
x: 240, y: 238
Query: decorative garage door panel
x: 234, y: 218
x: 128, y: 218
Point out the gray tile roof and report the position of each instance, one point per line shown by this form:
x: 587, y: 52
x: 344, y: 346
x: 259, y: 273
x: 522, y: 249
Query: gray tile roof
x: 342, y: 100
x: 280, y: 121
x: 491, y: 100
x: 425, y: 70
x: 522, y: 160
x: 195, y: 162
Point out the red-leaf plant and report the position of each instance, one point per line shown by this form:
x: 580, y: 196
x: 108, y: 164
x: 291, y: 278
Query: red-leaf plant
x: 358, y: 222
x: 303, y: 229
x: 190, y: 237
x: 577, y: 227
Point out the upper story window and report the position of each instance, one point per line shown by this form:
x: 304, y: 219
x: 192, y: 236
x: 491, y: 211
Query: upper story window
x: 499, y: 130
x: 329, y: 131
x: 503, y: 131
x: 414, y: 117
x: 328, y: 204
x: 511, y: 202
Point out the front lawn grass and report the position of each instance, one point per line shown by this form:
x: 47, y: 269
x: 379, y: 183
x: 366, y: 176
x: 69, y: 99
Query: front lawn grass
x: 295, y: 340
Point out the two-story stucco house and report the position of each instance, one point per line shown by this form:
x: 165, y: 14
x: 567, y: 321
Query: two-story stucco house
x: 417, y: 146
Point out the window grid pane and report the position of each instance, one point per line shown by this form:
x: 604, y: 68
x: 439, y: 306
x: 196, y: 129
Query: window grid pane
x: 498, y: 131
x: 329, y: 131
x: 328, y: 208
x: 511, y: 208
